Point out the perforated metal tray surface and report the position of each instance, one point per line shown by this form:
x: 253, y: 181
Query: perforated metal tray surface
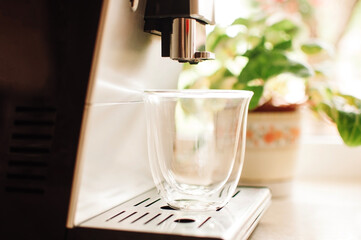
x: 149, y: 213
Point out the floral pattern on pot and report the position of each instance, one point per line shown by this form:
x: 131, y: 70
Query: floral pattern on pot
x: 272, y: 135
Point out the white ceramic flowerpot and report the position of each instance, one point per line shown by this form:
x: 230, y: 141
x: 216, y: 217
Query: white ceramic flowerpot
x: 271, y: 150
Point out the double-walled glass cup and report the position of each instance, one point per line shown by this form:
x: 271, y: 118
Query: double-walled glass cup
x: 196, y: 142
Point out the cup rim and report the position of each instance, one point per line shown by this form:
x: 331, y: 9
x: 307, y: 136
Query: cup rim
x: 198, y: 93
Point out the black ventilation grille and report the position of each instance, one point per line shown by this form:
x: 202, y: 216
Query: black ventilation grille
x: 30, y: 147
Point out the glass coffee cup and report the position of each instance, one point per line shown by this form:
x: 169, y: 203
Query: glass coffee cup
x: 196, y: 144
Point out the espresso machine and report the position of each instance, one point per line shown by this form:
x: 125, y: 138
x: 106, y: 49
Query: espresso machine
x: 73, y: 153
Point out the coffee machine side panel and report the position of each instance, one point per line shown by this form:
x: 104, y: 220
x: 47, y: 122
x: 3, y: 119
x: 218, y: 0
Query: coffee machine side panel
x: 112, y: 162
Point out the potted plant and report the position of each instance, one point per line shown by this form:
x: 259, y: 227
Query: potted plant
x: 263, y: 55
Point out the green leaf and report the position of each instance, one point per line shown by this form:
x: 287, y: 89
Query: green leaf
x: 349, y: 127
x: 219, y: 39
x: 217, y: 78
x: 257, y: 20
x: 258, y: 49
x: 265, y: 64
x: 312, y: 48
x: 286, y: 26
x: 285, y: 45
x: 241, y: 21
x: 325, y: 108
x: 215, y: 37
x: 299, y: 69
x: 351, y: 100
x: 345, y: 111
x: 257, y: 94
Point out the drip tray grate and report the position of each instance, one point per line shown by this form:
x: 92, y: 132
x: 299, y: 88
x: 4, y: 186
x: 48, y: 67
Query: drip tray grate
x: 149, y: 213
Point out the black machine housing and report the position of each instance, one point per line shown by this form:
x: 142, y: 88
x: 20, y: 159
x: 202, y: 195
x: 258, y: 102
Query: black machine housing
x: 46, y: 51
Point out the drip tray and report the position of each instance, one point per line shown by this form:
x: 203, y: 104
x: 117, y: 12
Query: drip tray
x: 148, y: 216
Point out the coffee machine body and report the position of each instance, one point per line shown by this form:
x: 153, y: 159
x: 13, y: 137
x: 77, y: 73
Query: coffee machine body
x: 73, y: 139
x: 73, y: 152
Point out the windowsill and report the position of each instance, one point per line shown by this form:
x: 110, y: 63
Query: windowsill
x: 327, y: 157
x: 315, y: 210
x: 325, y: 199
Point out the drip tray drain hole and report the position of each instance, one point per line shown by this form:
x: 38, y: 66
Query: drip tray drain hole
x: 184, y: 220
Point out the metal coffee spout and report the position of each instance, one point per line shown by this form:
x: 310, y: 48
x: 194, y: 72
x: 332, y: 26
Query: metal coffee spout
x: 187, y: 43
x: 182, y: 27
